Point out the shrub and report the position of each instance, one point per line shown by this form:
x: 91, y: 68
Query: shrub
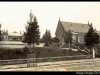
x: 39, y: 51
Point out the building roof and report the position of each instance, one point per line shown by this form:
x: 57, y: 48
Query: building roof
x: 11, y: 43
x: 14, y: 34
x: 75, y: 27
x: 12, y: 46
x: 11, y: 33
x: 4, y: 33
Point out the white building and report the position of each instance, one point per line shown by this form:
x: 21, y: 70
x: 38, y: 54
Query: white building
x: 11, y: 36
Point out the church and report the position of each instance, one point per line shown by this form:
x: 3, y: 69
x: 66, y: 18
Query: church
x: 78, y: 31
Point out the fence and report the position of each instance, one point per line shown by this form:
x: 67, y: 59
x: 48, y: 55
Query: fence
x: 46, y: 59
x: 13, y: 61
x: 31, y: 58
x: 63, y: 58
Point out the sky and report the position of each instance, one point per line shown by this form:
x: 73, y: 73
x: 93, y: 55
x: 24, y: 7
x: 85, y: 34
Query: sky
x: 14, y: 15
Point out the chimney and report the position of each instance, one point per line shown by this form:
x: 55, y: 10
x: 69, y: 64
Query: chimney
x: 23, y: 31
x: 20, y: 32
x: 91, y: 23
x: 0, y: 25
x: 7, y: 31
x: 88, y: 22
x: 59, y: 18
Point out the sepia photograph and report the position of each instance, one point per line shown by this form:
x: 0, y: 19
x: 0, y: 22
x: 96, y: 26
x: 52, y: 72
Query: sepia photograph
x: 50, y: 36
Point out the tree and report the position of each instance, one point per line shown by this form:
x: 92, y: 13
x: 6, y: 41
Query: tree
x: 0, y: 33
x: 0, y: 36
x: 54, y: 42
x: 68, y: 37
x: 47, y: 37
x: 91, y: 38
x: 32, y: 33
x: 24, y: 38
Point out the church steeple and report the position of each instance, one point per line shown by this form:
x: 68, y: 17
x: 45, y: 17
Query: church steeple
x: 59, y: 18
x: 88, y: 22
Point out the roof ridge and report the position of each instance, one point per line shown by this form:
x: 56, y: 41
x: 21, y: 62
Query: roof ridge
x: 74, y: 22
x: 76, y: 27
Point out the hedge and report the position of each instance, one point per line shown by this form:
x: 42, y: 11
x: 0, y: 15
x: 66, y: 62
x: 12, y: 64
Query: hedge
x: 39, y: 51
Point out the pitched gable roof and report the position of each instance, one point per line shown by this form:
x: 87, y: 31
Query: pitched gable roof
x: 75, y: 27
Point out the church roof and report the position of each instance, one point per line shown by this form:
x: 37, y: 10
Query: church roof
x: 75, y: 27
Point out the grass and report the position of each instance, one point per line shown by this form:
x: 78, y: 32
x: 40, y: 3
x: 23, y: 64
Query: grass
x: 84, y: 68
x: 49, y: 52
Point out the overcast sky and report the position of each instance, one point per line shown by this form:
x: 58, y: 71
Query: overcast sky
x: 14, y: 15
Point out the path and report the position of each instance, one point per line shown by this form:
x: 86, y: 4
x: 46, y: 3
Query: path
x: 70, y: 65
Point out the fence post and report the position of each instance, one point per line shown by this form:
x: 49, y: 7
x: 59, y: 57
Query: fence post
x: 28, y: 63
x: 93, y: 53
x: 34, y: 60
